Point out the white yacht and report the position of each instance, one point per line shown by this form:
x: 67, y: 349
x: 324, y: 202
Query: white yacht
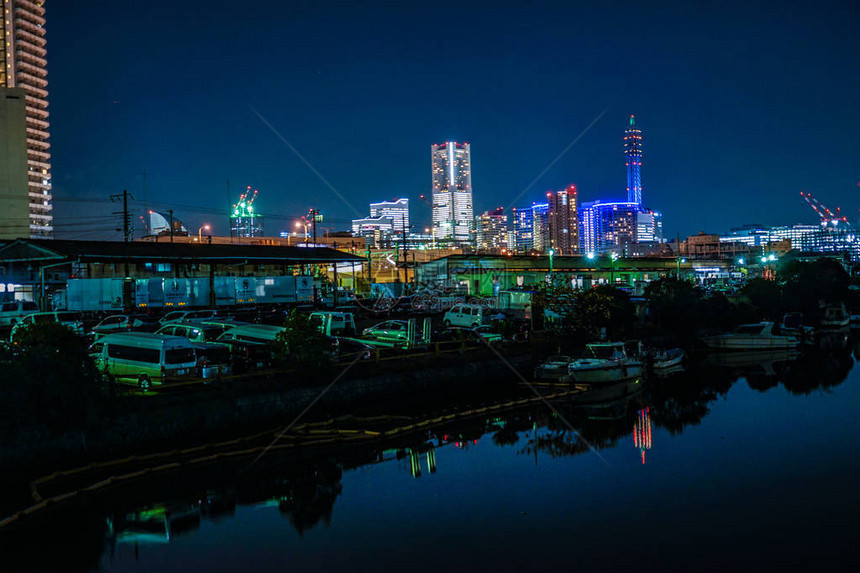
x: 606, y: 363
x: 751, y: 337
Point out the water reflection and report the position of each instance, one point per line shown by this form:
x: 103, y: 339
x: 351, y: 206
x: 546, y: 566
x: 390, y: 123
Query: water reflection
x: 306, y: 487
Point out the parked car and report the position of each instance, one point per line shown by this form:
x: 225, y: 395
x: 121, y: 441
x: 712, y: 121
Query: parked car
x: 72, y: 320
x: 488, y: 334
x: 213, y: 360
x: 253, y: 332
x: 464, y: 335
x: 12, y: 312
x: 390, y: 330
x: 247, y: 356
x: 195, y: 332
x: 145, y: 358
x: 348, y: 348
x: 467, y: 316
x: 224, y: 324
x: 333, y: 323
x: 200, y: 315
x: 125, y: 323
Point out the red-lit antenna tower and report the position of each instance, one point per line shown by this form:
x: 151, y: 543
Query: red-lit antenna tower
x: 828, y: 217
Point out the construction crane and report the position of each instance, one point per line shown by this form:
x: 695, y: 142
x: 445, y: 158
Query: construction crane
x: 246, y: 200
x: 828, y: 217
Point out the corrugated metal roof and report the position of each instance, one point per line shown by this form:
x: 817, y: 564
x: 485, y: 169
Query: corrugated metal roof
x: 115, y: 251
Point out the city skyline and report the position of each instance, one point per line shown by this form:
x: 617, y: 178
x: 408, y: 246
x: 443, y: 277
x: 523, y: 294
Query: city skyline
x: 509, y: 106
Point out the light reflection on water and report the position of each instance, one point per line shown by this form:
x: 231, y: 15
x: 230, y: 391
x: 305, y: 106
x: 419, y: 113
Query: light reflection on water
x: 743, y: 463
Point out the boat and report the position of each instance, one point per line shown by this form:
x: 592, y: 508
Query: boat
x: 835, y: 316
x: 606, y: 363
x: 757, y: 336
x: 667, y: 359
x: 792, y: 325
x: 553, y: 367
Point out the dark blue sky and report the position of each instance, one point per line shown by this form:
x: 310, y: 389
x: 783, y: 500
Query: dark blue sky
x: 742, y: 106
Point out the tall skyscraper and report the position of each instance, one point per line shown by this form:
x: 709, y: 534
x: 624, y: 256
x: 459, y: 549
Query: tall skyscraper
x: 540, y: 220
x: 633, y: 154
x: 453, y: 217
x: 563, y: 221
x: 23, y: 65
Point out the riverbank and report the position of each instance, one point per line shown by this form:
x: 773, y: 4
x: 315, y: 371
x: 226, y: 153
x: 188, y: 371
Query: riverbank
x: 155, y: 422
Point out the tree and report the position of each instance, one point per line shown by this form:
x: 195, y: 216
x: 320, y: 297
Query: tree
x: 50, y: 377
x: 302, y: 343
x: 674, y: 306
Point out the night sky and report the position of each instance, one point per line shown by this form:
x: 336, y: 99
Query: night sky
x: 742, y: 106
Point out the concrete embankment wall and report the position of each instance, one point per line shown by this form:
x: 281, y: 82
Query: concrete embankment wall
x: 163, y: 422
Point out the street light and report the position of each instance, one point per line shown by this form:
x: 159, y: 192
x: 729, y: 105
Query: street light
x: 200, y: 232
x: 551, y: 254
x: 590, y: 256
x: 305, y: 224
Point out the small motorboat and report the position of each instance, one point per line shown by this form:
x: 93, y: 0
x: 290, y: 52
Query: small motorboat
x: 757, y: 336
x: 553, y: 368
x: 792, y: 325
x: 605, y: 363
x: 667, y: 359
x: 835, y: 316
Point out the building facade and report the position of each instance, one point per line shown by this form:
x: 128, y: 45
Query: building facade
x: 453, y: 216
x: 15, y: 218
x: 540, y: 227
x: 397, y: 210
x: 23, y: 65
x: 377, y: 231
x: 633, y: 155
x: 492, y: 231
x: 608, y: 227
x: 563, y: 221
x: 523, y: 230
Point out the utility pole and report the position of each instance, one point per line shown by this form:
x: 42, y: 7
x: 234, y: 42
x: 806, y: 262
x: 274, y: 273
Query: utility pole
x: 314, y: 214
x: 171, y: 224
x: 126, y: 216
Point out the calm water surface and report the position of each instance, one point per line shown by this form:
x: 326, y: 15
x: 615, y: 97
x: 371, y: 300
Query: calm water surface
x: 731, y: 466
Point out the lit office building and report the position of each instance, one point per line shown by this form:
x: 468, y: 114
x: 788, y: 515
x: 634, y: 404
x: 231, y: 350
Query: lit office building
x: 649, y: 227
x: 608, y: 227
x: 523, y: 230
x: 563, y: 221
x: 453, y: 217
x: 396, y: 209
x: 540, y: 234
x: 377, y: 231
x: 27, y: 209
x: 492, y: 231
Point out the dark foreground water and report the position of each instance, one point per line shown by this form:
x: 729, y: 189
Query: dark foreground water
x: 744, y: 463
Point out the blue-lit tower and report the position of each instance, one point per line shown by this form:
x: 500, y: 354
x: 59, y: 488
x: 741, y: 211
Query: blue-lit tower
x: 633, y: 153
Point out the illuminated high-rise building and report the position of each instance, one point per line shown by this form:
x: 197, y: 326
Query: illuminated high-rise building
x: 453, y: 218
x: 563, y: 221
x: 492, y: 231
x: 540, y: 220
x: 633, y: 154
x: 608, y: 227
x: 23, y: 66
x: 523, y: 230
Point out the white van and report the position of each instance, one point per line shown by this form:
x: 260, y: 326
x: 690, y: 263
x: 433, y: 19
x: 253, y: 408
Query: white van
x: 333, y: 323
x: 145, y: 358
x: 465, y: 315
x: 13, y: 311
x: 253, y: 333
